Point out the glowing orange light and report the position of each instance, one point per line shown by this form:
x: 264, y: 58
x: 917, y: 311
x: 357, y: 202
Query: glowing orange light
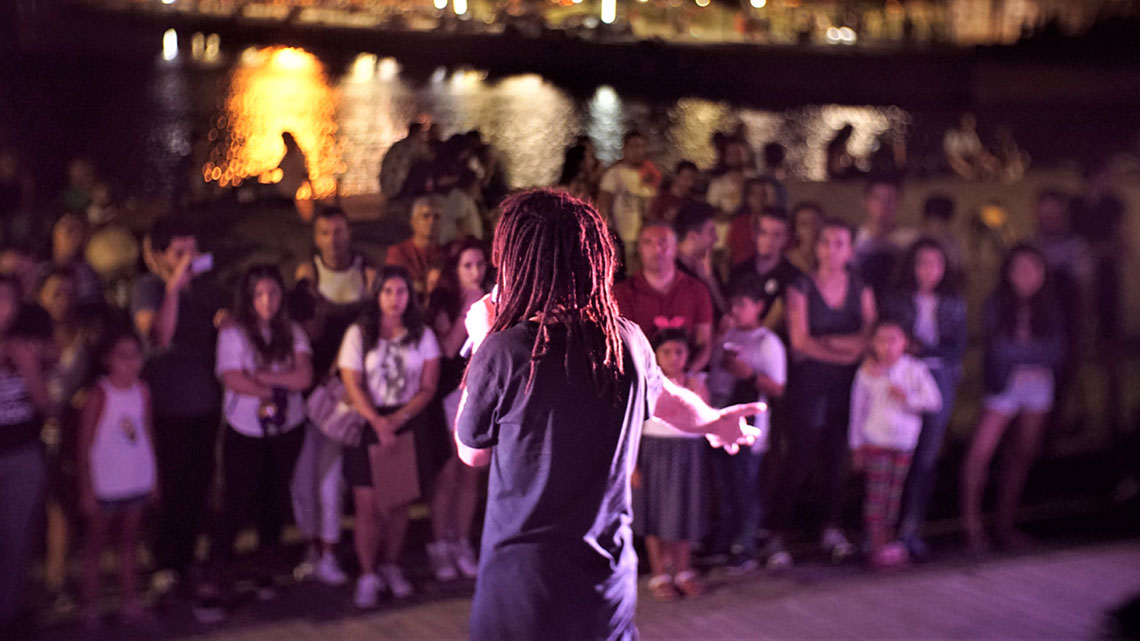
x: 272, y: 91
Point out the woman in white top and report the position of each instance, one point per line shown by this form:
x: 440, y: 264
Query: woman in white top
x: 389, y: 362
x: 264, y: 362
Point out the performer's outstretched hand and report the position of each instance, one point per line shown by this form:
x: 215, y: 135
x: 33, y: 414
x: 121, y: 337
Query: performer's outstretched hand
x: 731, y: 430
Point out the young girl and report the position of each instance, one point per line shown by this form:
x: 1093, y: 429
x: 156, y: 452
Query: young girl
x: 670, y: 487
x: 932, y: 312
x: 888, y: 398
x: 117, y: 476
x: 264, y: 362
x: 463, y: 282
x: 1025, y: 341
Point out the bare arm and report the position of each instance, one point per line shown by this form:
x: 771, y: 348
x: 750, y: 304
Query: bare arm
x: 452, y: 335
x: 856, y: 344
x: 362, y: 403
x: 702, y: 336
x: 775, y: 318
x: 429, y: 381
x: 88, y: 422
x: 166, y: 318
x: 148, y: 418
x: 803, y: 343
x: 245, y: 383
x: 296, y: 379
x: 684, y: 410
x: 605, y: 204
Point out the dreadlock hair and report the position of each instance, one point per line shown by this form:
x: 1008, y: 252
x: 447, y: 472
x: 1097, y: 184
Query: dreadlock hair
x: 555, y: 260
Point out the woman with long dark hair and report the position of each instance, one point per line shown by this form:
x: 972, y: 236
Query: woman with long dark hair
x: 830, y: 315
x: 389, y: 362
x: 455, y: 493
x: 1025, y: 340
x: 928, y: 306
x: 555, y: 397
x: 264, y: 363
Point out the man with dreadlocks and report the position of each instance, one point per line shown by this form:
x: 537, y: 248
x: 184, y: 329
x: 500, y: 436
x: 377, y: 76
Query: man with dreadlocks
x: 555, y: 399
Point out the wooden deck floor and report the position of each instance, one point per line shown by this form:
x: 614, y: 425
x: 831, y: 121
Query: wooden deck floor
x: 1049, y: 594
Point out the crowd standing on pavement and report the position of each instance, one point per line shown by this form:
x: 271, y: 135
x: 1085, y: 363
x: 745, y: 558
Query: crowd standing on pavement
x: 125, y: 409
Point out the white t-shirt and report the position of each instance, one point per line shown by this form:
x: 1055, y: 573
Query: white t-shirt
x: 391, y: 368
x: 726, y: 192
x: 761, y: 350
x: 631, y: 199
x: 236, y: 354
x: 342, y: 287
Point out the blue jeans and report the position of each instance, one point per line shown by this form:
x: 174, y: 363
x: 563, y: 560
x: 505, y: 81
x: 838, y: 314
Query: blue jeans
x: 738, y: 500
x: 920, y: 480
x: 22, y: 474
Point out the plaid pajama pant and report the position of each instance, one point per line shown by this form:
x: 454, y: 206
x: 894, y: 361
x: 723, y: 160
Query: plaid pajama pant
x: 886, y: 471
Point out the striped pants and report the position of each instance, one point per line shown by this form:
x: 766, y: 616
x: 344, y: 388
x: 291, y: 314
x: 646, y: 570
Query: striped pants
x: 886, y: 471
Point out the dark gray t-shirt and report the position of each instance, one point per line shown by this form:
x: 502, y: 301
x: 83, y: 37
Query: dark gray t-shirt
x: 181, y: 376
x: 557, y: 557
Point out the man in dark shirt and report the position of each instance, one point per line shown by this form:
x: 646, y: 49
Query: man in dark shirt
x: 696, y: 237
x: 769, y: 266
x: 175, y: 310
x: 561, y: 432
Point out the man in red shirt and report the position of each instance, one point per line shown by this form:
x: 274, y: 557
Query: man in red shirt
x: 660, y: 296
x: 419, y: 252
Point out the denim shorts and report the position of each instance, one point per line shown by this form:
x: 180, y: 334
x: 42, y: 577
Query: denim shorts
x: 1029, y: 389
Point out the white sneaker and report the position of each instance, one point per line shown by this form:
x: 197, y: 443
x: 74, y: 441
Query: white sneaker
x: 440, y: 557
x: 305, y: 568
x: 367, y: 592
x: 836, y: 544
x: 464, y: 558
x: 399, y: 586
x: 328, y: 571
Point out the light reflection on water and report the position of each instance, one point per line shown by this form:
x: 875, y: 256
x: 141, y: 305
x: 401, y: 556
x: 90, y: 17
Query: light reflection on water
x: 272, y: 91
x: 346, y: 124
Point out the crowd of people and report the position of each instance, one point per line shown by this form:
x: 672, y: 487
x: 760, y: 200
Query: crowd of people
x: 114, y: 410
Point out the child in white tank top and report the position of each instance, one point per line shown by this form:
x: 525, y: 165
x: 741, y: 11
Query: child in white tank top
x: 117, y: 472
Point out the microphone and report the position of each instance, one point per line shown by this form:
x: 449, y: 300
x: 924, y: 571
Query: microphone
x: 469, y: 345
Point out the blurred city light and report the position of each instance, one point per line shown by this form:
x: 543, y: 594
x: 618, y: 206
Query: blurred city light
x: 440, y: 4
x: 759, y: 4
x: 460, y: 7
x: 609, y: 11
x: 170, y: 45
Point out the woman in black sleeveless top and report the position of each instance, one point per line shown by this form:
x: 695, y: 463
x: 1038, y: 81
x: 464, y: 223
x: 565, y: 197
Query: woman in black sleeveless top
x: 830, y: 314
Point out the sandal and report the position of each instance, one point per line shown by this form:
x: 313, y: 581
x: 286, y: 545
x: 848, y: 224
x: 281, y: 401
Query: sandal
x: 662, y: 589
x: 689, y: 583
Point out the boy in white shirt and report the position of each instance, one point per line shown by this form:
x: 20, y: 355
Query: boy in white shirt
x: 891, y: 392
x: 748, y: 364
